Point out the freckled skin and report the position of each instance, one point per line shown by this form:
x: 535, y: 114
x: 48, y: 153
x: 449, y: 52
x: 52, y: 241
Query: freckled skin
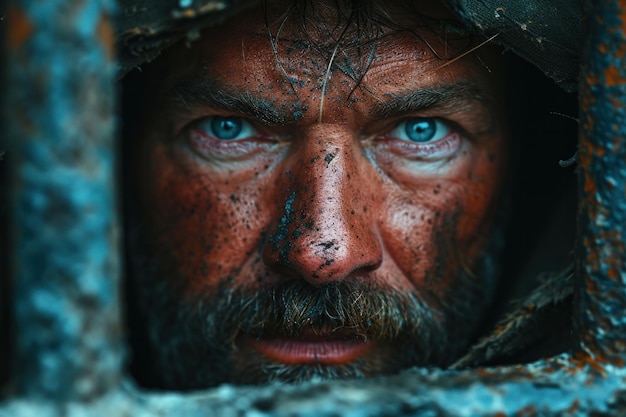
x: 322, y: 202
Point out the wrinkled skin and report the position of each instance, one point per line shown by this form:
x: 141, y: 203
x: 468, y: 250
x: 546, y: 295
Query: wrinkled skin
x: 322, y: 240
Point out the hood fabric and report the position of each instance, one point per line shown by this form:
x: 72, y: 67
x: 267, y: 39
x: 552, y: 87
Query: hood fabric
x: 546, y: 33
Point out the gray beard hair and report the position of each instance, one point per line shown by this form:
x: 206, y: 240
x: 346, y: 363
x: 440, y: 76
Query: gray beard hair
x: 194, y: 343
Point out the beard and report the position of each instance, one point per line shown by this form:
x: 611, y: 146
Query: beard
x: 198, y: 343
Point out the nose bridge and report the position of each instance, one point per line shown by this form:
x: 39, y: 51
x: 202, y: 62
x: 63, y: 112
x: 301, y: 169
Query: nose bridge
x: 331, y: 239
x: 331, y: 195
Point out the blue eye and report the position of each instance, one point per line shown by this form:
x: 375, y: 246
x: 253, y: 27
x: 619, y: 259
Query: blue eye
x: 421, y: 130
x: 227, y: 127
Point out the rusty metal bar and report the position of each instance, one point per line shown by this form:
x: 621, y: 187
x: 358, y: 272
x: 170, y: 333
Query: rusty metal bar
x: 59, y: 96
x: 601, y: 247
x: 551, y: 389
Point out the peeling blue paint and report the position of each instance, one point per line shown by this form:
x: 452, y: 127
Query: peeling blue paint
x: 60, y: 132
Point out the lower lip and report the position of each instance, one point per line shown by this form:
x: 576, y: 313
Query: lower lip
x: 325, y: 352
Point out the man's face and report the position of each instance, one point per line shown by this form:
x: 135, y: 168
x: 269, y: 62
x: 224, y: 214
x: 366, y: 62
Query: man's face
x: 308, y: 208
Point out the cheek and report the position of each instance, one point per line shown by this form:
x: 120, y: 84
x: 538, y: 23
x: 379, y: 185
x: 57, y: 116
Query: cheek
x: 207, y: 227
x: 419, y: 226
x: 481, y: 198
x: 435, y: 226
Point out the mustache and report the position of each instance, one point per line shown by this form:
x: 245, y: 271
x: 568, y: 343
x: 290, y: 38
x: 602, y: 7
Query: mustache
x: 194, y: 341
x: 295, y: 308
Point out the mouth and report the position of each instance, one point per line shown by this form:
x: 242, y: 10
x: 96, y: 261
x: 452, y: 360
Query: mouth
x: 311, y: 348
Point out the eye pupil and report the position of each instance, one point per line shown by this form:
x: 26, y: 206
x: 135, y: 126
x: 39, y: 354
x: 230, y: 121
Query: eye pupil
x: 226, y: 128
x: 421, y: 130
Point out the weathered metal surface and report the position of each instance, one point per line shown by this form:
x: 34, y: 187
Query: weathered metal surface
x: 602, y: 181
x: 553, y: 388
x: 59, y: 96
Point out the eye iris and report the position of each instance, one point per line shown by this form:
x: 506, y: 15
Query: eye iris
x: 421, y: 130
x: 226, y: 127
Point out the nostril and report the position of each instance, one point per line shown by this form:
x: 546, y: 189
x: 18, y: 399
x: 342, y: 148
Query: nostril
x: 325, y: 259
x: 328, y: 244
x: 338, y: 262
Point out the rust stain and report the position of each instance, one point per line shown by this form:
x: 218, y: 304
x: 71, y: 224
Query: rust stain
x: 19, y: 27
x: 613, y: 76
x: 588, y: 153
x: 592, y: 79
x: 616, y: 102
x: 590, y: 286
x: 590, y: 184
x: 597, y: 366
x: 620, y: 52
x: 595, y: 149
x: 587, y: 100
x: 583, y: 360
x: 592, y: 261
x: 527, y: 411
x: 585, y: 152
x: 622, y: 15
x: 574, y: 407
x: 484, y: 372
x: 106, y: 36
x: 185, y: 14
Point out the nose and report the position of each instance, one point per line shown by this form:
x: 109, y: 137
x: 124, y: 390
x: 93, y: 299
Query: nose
x: 326, y: 230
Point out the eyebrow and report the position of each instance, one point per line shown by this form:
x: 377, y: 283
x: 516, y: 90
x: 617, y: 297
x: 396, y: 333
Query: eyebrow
x: 201, y: 92
x: 189, y: 93
x: 455, y: 97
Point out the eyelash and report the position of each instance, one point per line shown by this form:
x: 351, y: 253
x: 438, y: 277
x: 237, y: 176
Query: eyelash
x: 442, y: 138
x: 246, y: 140
x: 445, y: 144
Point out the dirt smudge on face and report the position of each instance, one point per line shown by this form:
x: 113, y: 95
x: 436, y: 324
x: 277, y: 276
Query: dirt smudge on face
x: 279, y: 239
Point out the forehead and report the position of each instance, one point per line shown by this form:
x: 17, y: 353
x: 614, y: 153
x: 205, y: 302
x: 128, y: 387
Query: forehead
x: 309, y: 37
x: 330, y: 58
